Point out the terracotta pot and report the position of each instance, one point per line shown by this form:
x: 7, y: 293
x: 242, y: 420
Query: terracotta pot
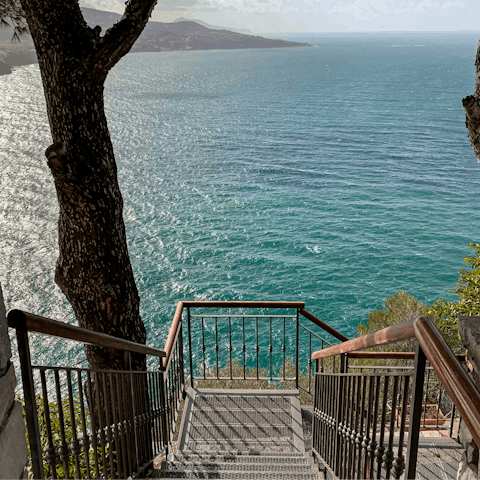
x: 430, y: 418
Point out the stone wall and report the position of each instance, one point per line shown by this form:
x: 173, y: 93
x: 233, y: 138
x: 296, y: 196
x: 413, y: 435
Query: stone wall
x: 469, y: 329
x: 13, y: 448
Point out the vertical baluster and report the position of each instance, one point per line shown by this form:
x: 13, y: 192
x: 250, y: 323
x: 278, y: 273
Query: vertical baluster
x: 399, y: 462
x: 244, y: 349
x: 351, y: 429
x: 414, y: 427
x: 155, y: 402
x: 119, y: 394
x: 439, y: 400
x: 64, y: 453
x: 321, y: 361
x: 181, y: 354
x: 323, y: 418
x: 51, y: 451
x: 344, y: 425
x: 452, y: 418
x: 309, y: 369
x: 107, y: 429
x: 359, y: 439
x: 284, y: 348
x: 203, y: 348
x: 373, y: 443
x: 190, y: 345
x: 366, y: 436
x: 86, y: 440
x: 336, y: 421
x: 75, y: 443
x: 380, y: 450
x: 216, y: 345
x: 93, y: 421
x: 327, y: 410
x: 297, y: 347
x: 270, y: 349
x: 230, y: 349
x: 116, y: 434
x: 425, y: 401
x: 356, y: 430
x: 388, y: 457
x: 257, y: 346
x: 315, y: 410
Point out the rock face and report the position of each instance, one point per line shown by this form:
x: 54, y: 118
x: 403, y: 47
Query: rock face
x: 469, y: 329
x: 185, y: 35
x: 13, y: 449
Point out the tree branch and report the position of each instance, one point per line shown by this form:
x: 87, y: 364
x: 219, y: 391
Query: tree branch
x: 119, y: 39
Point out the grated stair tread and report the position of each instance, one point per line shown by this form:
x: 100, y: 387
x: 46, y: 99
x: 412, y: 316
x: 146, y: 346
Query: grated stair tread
x: 251, y: 453
x: 241, y: 417
x: 242, y: 446
x: 242, y: 475
x: 232, y: 432
x: 239, y: 402
x: 239, y: 467
x: 228, y: 457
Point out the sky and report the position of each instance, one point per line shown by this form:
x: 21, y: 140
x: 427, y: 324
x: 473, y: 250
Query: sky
x: 285, y: 16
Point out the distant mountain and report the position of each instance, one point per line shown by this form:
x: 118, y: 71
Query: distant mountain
x: 246, y: 31
x: 185, y: 35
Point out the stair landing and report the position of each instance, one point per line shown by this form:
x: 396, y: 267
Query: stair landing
x: 229, y: 434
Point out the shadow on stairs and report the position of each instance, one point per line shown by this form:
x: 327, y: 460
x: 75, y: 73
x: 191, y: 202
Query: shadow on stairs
x: 241, y: 434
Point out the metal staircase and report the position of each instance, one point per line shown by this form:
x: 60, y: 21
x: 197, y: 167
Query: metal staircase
x: 241, y: 434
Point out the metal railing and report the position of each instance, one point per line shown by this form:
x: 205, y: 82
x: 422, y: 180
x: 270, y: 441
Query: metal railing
x: 366, y: 449
x: 438, y: 409
x: 276, y: 347
x: 85, y: 423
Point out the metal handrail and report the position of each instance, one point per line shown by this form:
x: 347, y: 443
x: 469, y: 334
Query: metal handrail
x: 455, y: 380
x: 323, y: 325
x: 47, y: 326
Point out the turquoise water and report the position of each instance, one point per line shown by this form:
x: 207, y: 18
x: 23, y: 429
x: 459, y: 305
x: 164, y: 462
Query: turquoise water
x: 335, y: 175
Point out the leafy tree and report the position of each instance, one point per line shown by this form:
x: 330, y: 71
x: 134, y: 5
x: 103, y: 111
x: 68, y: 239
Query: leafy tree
x: 396, y: 309
x: 93, y: 269
x: 468, y: 289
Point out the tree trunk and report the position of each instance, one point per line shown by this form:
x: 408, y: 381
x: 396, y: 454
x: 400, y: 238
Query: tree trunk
x: 472, y: 109
x: 93, y: 269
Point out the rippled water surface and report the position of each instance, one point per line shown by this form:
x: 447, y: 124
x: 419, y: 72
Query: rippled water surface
x: 336, y: 175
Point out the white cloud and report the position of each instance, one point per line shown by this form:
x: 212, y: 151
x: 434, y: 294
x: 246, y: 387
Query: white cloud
x: 318, y: 15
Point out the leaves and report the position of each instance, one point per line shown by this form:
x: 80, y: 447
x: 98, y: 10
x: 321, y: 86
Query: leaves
x: 445, y: 313
x: 12, y: 15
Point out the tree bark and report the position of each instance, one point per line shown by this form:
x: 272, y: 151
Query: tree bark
x: 93, y: 269
x: 472, y: 110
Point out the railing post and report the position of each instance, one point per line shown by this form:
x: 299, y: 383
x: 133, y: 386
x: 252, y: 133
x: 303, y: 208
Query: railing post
x: 415, y: 412
x: 180, y: 356
x: 16, y: 319
x: 190, y: 346
x: 163, y: 409
x: 297, y: 369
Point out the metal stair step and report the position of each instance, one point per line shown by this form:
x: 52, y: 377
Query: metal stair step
x: 237, y: 432
x: 270, y: 445
x: 240, y: 467
x: 242, y: 475
x: 238, y: 402
x: 230, y: 453
x: 229, y: 457
x: 241, y: 417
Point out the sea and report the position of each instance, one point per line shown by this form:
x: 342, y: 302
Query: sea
x: 335, y: 174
